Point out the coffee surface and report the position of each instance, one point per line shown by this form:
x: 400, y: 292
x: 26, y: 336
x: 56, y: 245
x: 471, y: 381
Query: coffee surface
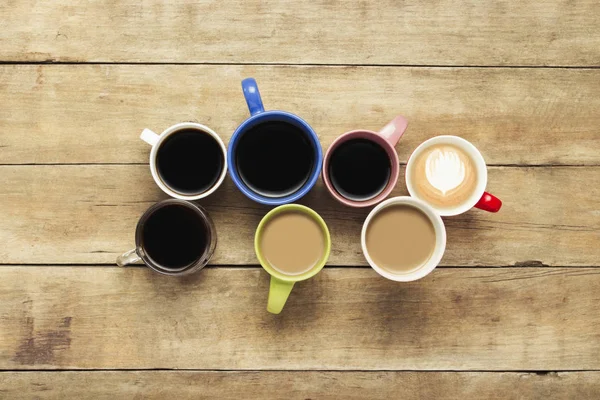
x: 174, y: 236
x: 190, y: 161
x: 292, y: 242
x: 444, y: 176
x: 274, y: 159
x: 359, y: 169
x: 400, y: 239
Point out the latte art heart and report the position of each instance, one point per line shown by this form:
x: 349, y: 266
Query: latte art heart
x: 444, y: 176
x: 444, y: 170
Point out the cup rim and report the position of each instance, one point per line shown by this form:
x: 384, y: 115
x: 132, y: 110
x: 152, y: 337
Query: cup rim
x: 315, y: 216
x: 141, y: 251
x: 173, y: 129
x: 440, y: 238
x: 475, y: 155
x: 392, y: 156
x: 265, y: 116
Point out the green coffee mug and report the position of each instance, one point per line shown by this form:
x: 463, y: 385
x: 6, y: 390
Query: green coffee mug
x: 282, y: 283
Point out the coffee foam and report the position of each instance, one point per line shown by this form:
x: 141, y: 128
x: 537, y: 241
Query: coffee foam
x: 444, y: 170
x: 444, y: 176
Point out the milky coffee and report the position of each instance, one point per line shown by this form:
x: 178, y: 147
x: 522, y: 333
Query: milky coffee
x: 292, y: 242
x: 444, y: 176
x: 400, y: 238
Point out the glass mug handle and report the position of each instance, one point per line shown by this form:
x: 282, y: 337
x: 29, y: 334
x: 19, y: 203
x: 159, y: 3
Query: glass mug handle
x: 127, y: 258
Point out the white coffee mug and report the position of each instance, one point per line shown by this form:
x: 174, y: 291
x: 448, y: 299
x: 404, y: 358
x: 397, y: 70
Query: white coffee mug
x: 479, y: 198
x: 440, y: 239
x: 156, y: 140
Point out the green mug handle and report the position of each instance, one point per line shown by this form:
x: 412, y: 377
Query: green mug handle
x: 279, y: 292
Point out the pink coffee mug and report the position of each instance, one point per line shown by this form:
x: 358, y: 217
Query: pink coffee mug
x: 386, y: 139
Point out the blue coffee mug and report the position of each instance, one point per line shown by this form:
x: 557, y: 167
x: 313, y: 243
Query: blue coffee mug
x: 274, y: 157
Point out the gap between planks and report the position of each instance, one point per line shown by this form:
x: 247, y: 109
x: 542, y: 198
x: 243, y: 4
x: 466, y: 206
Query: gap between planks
x: 432, y: 371
x: 520, y: 265
x: 276, y: 64
x: 402, y: 164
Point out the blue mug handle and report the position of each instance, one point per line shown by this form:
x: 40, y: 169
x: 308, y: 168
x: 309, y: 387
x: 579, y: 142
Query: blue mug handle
x: 252, y: 96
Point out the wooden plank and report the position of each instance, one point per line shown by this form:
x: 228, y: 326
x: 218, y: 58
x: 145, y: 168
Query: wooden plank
x: 448, y: 32
x: 285, y: 385
x: 343, y: 319
x: 94, y: 113
x: 71, y: 214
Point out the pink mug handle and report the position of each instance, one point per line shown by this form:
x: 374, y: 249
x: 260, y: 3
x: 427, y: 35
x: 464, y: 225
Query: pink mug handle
x: 489, y: 202
x: 394, y: 130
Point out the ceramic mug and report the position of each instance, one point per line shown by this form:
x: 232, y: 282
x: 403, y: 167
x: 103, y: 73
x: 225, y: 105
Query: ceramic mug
x: 479, y: 198
x: 173, y: 237
x: 384, y: 142
x: 274, y: 157
x: 185, y: 128
x: 282, y: 283
x: 439, y: 242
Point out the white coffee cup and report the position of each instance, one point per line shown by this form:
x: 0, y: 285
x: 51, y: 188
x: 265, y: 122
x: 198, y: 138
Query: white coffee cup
x: 479, y: 198
x: 156, y: 140
x: 440, y: 239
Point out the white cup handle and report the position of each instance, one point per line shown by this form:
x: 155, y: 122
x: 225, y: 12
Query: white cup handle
x: 149, y: 137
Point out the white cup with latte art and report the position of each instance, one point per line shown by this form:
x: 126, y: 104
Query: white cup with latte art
x: 449, y: 174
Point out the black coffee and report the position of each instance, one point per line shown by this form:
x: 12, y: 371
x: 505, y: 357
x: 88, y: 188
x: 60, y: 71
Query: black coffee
x: 359, y: 169
x: 175, y: 236
x: 190, y: 161
x: 274, y: 159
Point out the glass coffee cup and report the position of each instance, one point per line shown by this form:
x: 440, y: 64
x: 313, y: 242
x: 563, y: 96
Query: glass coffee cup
x: 173, y: 237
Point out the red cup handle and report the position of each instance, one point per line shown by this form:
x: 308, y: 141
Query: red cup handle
x: 489, y: 202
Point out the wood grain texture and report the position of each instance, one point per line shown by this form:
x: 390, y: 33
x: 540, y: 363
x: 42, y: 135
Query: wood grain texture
x: 70, y: 214
x: 448, y: 32
x: 105, y: 385
x: 94, y: 113
x: 343, y: 319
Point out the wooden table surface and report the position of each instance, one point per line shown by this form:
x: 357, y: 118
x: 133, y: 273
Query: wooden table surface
x: 511, y: 313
